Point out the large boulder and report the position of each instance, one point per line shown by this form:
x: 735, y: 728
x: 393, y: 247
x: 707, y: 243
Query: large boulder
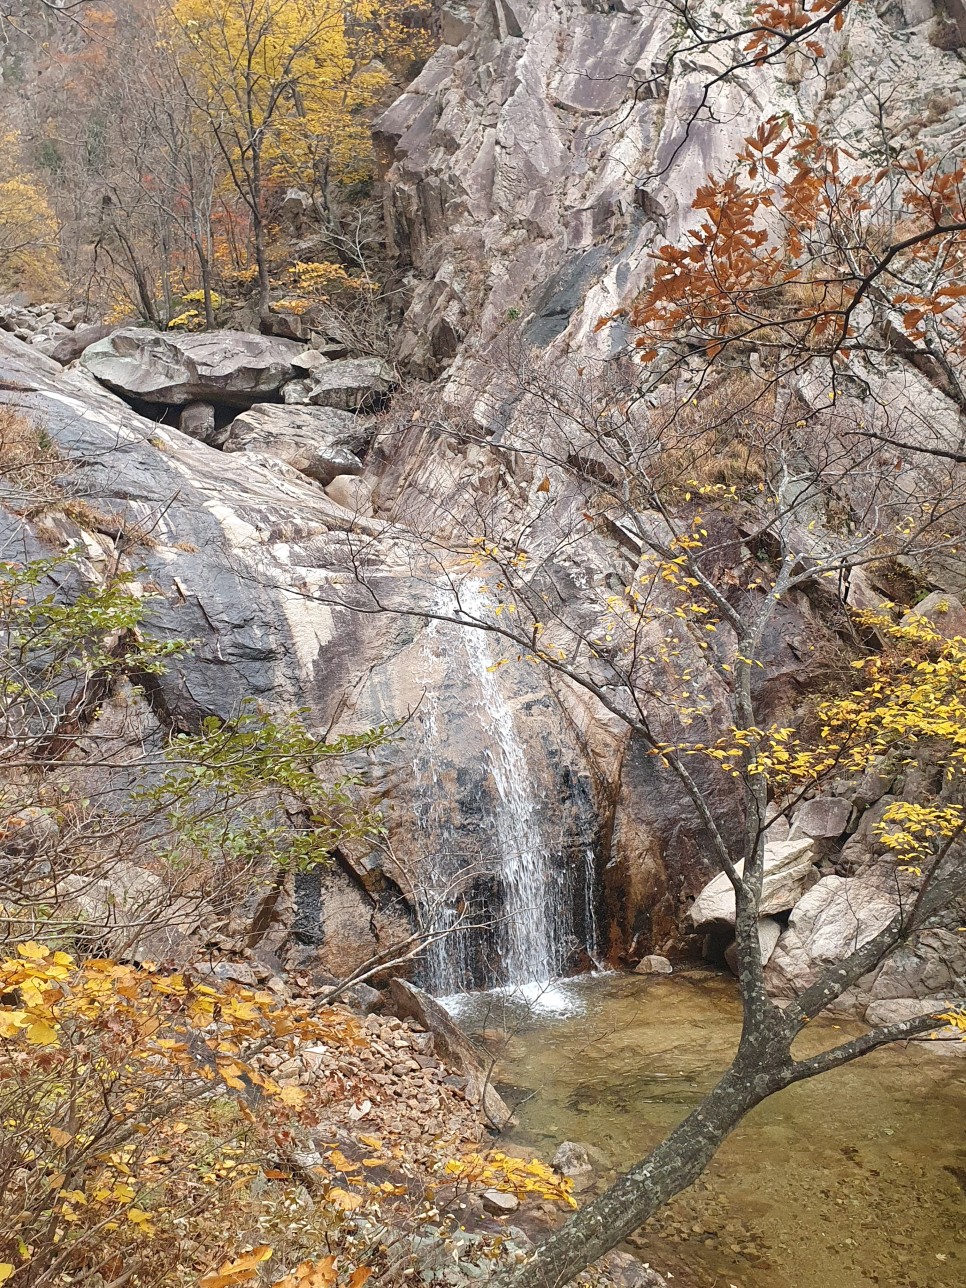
x: 823, y: 819
x: 354, y: 384
x: 788, y: 870
x: 944, y: 613
x: 834, y: 918
x: 235, y: 368
x: 68, y: 348
x: 318, y: 441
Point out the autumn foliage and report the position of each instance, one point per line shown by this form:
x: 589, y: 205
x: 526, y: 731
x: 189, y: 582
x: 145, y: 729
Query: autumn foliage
x: 802, y: 252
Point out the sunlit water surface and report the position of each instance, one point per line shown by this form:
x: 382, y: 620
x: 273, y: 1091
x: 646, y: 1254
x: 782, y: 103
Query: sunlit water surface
x: 852, y: 1179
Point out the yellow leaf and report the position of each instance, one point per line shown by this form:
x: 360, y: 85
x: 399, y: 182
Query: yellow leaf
x: 32, y: 951
x: 6, y: 1270
x: 294, y: 1096
x: 40, y: 1033
x: 344, y: 1199
x: 140, y: 1218
x: 237, y: 1271
x: 11, y: 1021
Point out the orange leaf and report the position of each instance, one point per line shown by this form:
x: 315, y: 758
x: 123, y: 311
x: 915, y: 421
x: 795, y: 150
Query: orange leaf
x: 359, y: 1276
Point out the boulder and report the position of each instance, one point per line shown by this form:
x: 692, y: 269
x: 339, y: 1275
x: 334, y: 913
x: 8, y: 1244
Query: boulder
x: 128, y: 911
x: 788, y: 869
x: 944, y: 613
x: 829, y: 922
x: 234, y: 368
x: 933, y: 963
x: 352, y: 493
x: 625, y: 1271
x: 898, y: 1009
x: 352, y: 384
x: 452, y: 1046
x: 317, y: 441
x: 769, y: 933
x: 580, y: 1163
x: 499, y: 1203
x: 823, y: 819
x: 68, y: 348
x: 653, y: 965
x: 197, y: 420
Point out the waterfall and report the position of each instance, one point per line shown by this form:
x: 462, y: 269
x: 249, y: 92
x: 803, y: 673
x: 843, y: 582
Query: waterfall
x: 512, y: 846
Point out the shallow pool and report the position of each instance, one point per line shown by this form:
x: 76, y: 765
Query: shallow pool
x: 855, y: 1178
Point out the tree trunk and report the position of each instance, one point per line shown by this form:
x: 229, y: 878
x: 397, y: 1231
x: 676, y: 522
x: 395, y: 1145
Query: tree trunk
x: 674, y: 1165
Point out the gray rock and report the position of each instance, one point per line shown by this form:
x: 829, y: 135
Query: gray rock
x: 625, y: 1271
x: 316, y: 441
x: 129, y: 913
x: 234, y: 368
x: 68, y: 348
x: 353, y: 384
x: 452, y: 1046
x: 653, y: 965
x: 944, y: 613
x: 874, y: 783
x: 769, y: 933
x: 579, y: 1162
x: 788, y: 870
x: 835, y: 917
x: 898, y: 1009
x: 352, y: 493
x: 823, y: 819
x: 197, y: 420
x: 29, y: 832
x: 498, y: 1203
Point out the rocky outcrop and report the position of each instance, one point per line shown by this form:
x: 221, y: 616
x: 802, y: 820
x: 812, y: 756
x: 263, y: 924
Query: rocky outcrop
x: 249, y: 559
x: 317, y: 441
x: 352, y: 384
x: 231, y: 368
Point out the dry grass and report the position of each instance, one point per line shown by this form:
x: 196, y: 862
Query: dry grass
x: 719, y: 440
x: 29, y: 459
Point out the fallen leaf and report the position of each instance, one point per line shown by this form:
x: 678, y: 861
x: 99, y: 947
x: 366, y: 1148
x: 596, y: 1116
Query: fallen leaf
x: 344, y: 1200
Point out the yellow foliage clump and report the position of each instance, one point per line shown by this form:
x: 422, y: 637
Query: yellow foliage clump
x: 28, y: 227
x: 517, y: 1176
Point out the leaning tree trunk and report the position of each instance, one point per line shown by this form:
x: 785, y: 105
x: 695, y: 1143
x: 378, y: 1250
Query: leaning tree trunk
x: 674, y: 1165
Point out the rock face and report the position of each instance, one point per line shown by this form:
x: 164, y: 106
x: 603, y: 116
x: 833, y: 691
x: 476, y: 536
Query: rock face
x: 226, y: 367
x: 317, y: 441
x: 523, y: 207
x: 353, y: 384
x: 788, y: 869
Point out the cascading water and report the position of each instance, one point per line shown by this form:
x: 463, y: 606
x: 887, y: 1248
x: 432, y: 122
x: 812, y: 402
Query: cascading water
x: 500, y: 899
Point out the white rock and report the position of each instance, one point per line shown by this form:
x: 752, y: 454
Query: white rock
x: 788, y: 869
x: 498, y: 1203
x: 835, y: 917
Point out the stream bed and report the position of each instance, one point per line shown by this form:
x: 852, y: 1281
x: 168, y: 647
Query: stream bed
x: 854, y: 1178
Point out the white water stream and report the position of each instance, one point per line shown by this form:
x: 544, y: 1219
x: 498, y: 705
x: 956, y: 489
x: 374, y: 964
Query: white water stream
x: 520, y: 935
